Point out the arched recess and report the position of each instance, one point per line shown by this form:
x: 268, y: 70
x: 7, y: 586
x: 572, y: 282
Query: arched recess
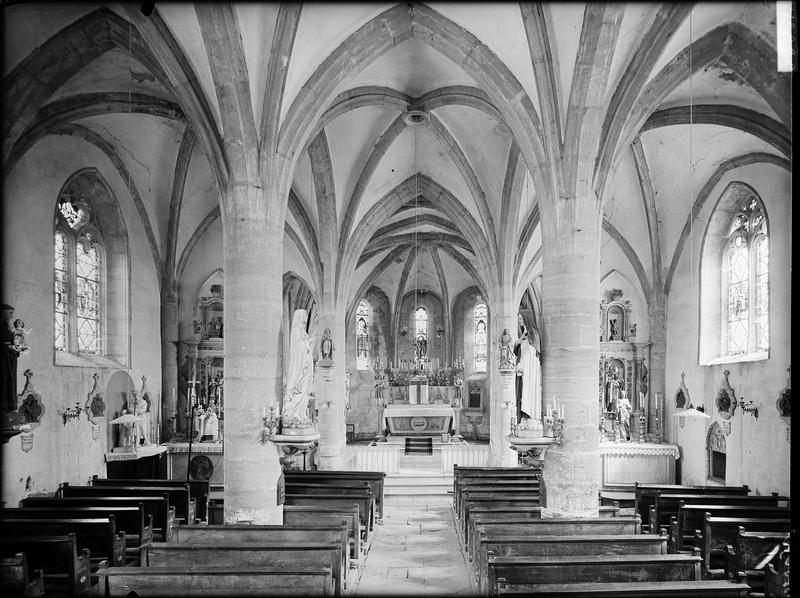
x: 716, y: 454
x: 215, y: 275
x: 107, y: 217
x: 614, y: 279
x: 462, y: 336
x: 404, y: 314
x: 713, y: 271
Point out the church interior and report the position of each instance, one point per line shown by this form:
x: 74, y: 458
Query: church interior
x: 396, y: 299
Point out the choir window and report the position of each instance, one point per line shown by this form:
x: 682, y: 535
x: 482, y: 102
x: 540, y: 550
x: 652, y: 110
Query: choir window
x: 421, y: 334
x: 362, y: 336
x: 479, y: 316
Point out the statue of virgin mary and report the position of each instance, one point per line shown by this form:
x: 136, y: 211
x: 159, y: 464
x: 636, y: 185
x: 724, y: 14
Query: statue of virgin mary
x: 299, y: 378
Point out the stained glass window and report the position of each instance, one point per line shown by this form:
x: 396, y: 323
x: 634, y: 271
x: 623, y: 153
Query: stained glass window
x: 362, y: 336
x: 61, y: 292
x: 480, y: 318
x: 88, y: 299
x: 421, y: 334
x: 746, y: 267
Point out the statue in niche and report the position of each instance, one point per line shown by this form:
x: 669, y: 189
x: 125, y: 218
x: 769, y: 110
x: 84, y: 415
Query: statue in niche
x: 421, y: 348
x: 613, y: 387
x: 210, y: 423
x: 300, y: 376
x: 326, y: 345
x: 507, y: 360
x: 217, y: 327
x: 623, y: 408
x: 528, y: 367
x: 613, y: 327
x: 8, y: 363
x: 643, y: 386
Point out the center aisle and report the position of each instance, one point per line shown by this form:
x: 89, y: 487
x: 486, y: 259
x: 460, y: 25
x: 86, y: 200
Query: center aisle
x: 415, y: 552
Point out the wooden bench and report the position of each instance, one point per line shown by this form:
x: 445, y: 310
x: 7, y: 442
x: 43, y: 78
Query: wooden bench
x: 776, y: 573
x: 718, y: 532
x: 666, y: 506
x: 500, y: 484
x: 248, y: 556
x: 651, y: 589
x: 163, y: 516
x: 501, y: 513
x: 65, y: 567
x: 547, y: 546
x: 119, y: 582
x: 555, y: 527
x: 364, y: 500
x: 265, y: 534
x: 644, y: 495
x: 178, y: 497
x: 303, y: 515
x: 137, y: 527
x: 17, y: 580
x: 605, y: 568
x: 691, y: 516
x: 743, y: 558
x: 491, y: 474
x: 198, y: 489
x: 99, y: 536
x: 375, y: 479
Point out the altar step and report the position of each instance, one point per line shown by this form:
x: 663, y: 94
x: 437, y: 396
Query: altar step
x: 413, y: 485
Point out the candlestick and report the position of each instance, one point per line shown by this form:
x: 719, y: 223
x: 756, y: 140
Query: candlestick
x: 561, y: 413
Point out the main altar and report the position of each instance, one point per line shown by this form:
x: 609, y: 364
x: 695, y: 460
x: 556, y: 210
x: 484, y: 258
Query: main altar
x: 415, y: 420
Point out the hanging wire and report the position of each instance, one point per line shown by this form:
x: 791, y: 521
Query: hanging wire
x: 691, y: 200
x: 416, y: 233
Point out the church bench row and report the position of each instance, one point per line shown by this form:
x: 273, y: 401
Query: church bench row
x: 553, y: 527
x: 264, y: 534
x: 603, y: 568
x: 198, y: 489
x: 197, y: 557
x: 666, y: 506
x: 476, y: 512
x: 651, y: 589
x: 691, y: 517
x: 549, y: 546
x: 178, y: 497
x: 776, y: 573
x: 375, y: 479
x: 300, y: 515
x: 98, y: 536
x: 120, y: 582
x: 65, y: 566
x: 645, y: 494
x: 745, y: 558
x: 718, y: 532
x: 488, y: 475
x: 132, y: 521
x: 163, y: 515
x: 498, y: 486
x: 18, y: 580
x: 364, y: 500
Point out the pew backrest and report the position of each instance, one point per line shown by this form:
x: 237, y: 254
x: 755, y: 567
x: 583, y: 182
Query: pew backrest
x: 375, y: 479
x: 644, y: 495
x: 718, y: 532
x: 65, y: 567
x: 198, y: 489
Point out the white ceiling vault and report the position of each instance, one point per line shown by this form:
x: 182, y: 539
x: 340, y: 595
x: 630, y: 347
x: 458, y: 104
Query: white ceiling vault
x: 329, y: 84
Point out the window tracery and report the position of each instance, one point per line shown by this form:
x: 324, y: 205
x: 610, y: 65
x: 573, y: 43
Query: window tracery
x: 480, y: 317
x: 362, y: 336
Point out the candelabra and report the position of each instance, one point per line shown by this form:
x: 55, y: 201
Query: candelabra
x: 270, y: 423
x: 558, y: 430
x: 72, y: 413
x: 642, y: 422
x: 750, y: 408
x: 513, y: 426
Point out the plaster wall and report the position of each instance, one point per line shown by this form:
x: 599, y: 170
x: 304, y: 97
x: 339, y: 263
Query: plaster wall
x: 67, y: 452
x: 758, y: 450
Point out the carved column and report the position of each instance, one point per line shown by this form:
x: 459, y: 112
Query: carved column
x: 503, y: 397
x: 330, y: 387
x: 169, y: 363
x: 253, y: 250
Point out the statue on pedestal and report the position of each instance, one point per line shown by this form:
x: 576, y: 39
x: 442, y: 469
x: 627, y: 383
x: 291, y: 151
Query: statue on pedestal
x: 210, y: 422
x: 299, y: 379
x: 138, y: 407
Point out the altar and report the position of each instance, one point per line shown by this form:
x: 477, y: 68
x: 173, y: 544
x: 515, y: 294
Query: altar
x: 413, y: 420
x: 625, y: 463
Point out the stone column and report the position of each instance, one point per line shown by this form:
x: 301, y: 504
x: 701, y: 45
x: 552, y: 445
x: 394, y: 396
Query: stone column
x: 253, y: 250
x: 169, y: 363
x: 658, y: 357
x: 570, y: 354
x: 331, y: 423
x: 503, y: 391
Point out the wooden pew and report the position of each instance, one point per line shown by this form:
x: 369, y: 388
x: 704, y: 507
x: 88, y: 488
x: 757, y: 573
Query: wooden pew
x: 65, y: 567
x: 99, y: 536
x: 555, y: 527
x: 644, y: 495
x: 498, y: 486
x: 264, y: 534
x: 691, y: 516
x: 665, y: 506
x: 718, y: 532
x: 492, y: 502
x: 17, y: 580
x: 248, y: 556
x: 374, y: 478
x: 475, y: 515
x: 364, y: 500
x: 198, y: 489
x: 499, y: 513
x: 547, y: 546
x: 303, y: 515
x: 605, y: 568
x: 119, y: 582
x: 137, y: 527
x: 163, y: 516
x: 747, y: 553
x: 651, y: 589
x: 776, y: 573
x: 178, y: 497
x: 491, y: 474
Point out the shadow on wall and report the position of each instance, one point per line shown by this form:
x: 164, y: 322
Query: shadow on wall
x: 118, y: 390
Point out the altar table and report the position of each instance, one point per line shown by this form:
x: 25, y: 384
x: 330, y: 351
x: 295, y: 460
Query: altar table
x: 416, y: 420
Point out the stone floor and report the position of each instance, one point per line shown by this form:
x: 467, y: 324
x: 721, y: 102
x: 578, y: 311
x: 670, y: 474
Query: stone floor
x: 415, y: 552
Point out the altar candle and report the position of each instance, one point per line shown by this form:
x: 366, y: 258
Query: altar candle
x: 561, y: 413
